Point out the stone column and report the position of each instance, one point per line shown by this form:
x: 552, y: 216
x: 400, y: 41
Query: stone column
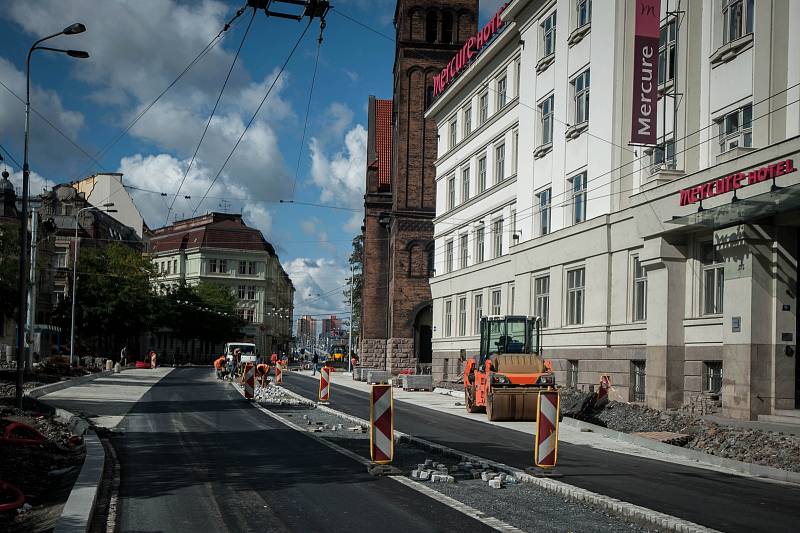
x: 749, y: 327
x: 665, y: 264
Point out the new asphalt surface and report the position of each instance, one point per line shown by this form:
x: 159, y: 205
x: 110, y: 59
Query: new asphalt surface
x: 196, y: 456
x: 717, y: 500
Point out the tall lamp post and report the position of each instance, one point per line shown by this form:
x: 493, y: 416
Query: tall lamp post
x: 22, y: 295
x: 104, y: 208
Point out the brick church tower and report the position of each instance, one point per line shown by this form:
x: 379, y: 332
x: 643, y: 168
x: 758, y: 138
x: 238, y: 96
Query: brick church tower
x: 398, y: 223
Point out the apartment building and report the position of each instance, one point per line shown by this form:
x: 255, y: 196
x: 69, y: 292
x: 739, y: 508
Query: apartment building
x: 672, y: 266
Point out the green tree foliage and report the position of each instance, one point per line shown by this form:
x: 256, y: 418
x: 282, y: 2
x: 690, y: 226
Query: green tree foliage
x: 206, y: 311
x: 9, y: 268
x: 355, y: 284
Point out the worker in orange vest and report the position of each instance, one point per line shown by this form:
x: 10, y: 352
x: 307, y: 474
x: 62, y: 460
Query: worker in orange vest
x: 262, y: 371
x: 153, y: 357
x: 219, y: 364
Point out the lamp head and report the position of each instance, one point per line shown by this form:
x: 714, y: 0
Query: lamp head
x: 80, y: 54
x: 74, y: 28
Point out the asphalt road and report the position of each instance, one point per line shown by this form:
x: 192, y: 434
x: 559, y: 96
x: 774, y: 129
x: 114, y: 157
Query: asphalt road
x: 716, y: 500
x: 196, y: 456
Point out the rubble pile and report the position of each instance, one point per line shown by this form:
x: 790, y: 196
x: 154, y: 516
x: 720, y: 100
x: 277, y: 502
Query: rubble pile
x: 767, y: 448
x: 272, y: 395
x: 436, y: 472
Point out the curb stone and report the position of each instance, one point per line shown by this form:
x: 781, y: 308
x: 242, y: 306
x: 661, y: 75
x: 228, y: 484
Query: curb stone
x: 79, y: 509
x: 751, y: 469
x: 629, y: 510
x: 36, y: 392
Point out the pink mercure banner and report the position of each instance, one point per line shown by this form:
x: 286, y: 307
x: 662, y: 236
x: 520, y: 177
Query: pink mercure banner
x: 645, y: 72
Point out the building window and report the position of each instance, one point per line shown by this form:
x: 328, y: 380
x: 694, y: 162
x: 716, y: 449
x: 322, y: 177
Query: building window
x: 638, y: 380
x: 481, y: 174
x: 447, y: 27
x: 462, y: 316
x: 477, y: 313
x: 448, y: 256
x: 58, y: 297
x: 251, y: 292
x: 242, y: 292
x: 664, y: 155
x: 639, y: 290
x: 448, y: 318
x: 428, y: 96
x: 511, y: 296
x: 549, y: 35
x: 451, y: 192
x: 483, y: 108
x: 453, y: 133
x: 572, y: 374
x: 666, y: 52
x: 546, y: 114
x: 479, y: 238
x: 735, y: 129
x: 497, y: 238
x: 464, y: 185
x: 713, y: 381
x: 578, y: 191
x: 431, y: 259
x: 223, y: 266
x: 543, y: 200
x: 576, y: 280
x: 738, y: 19
x: 242, y: 267
x: 541, y: 299
x: 174, y: 266
x: 60, y: 258
x: 517, y: 76
x: 212, y: 265
x: 169, y: 267
x: 499, y: 163
x: 252, y: 268
x: 496, y: 302
x: 249, y: 315
x: 713, y: 280
x: 580, y: 88
x: 463, y: 249
x: 514, y: 151
x: 502, y: 92
x: 584, y: 12
x: 467, y: 121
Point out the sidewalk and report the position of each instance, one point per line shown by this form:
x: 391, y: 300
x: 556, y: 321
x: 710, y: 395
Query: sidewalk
x: 446, y: 403
x: 106, y: 400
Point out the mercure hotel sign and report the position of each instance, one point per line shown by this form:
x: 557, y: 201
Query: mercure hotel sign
x: 645, y: 72
x: 734, y: 181
x: 471, y: 48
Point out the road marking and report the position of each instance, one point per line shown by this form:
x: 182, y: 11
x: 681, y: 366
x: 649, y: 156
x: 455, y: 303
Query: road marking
x: 471, y: 512
x: 577, y: 494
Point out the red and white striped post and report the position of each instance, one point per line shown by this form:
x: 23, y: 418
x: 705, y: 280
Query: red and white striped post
x: 381, y: 424
x: 324, y: 385
x: 249, y: 381
x: 547, y: 412
x: 278, y: 375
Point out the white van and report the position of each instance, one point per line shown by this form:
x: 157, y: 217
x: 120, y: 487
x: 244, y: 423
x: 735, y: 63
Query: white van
x: 248, y: 350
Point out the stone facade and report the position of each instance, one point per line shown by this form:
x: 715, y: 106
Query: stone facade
x: 400, y: 354
x: 373, y: 352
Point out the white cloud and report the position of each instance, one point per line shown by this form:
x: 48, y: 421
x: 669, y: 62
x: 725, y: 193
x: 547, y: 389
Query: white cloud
x: 319, y: 285
x: 340, y: 176
x: 37, y: 184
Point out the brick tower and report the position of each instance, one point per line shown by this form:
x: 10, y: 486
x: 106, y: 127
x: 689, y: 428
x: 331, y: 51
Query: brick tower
x: 428, y: 34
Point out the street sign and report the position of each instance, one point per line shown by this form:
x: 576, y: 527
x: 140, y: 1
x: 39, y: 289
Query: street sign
x: 324, y: 385
x: 381, y: 424
x: 547, y: 411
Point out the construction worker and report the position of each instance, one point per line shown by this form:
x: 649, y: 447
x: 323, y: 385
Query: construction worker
x: 262, y: 371
x: 219, y: 365
x: 153, y: 358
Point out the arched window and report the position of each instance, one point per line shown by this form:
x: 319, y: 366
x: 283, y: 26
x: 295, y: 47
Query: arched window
x: 447, y: 27
x: 431, y: 259
x: 431, y: 23
x: 428, y: 96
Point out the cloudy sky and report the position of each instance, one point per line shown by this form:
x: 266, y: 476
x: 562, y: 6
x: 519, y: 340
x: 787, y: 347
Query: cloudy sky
x: 138, y: 48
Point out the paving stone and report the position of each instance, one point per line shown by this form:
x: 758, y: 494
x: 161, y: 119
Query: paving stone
x: 495, y: 483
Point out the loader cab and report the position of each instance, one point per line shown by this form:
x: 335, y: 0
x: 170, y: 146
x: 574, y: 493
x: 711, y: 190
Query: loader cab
x: 514, y: 334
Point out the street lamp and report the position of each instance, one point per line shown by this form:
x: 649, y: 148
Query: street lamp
x: 104, y: 208
x: 23, y: 230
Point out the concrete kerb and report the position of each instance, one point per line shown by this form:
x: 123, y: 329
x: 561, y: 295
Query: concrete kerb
x: 754, y: 470
x: 37, y: 392
x: 628, y: 510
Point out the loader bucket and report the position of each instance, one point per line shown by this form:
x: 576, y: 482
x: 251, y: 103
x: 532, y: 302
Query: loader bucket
x: 512, y: 404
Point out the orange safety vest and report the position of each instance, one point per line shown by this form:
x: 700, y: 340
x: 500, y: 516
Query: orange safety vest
x: 262, y: 369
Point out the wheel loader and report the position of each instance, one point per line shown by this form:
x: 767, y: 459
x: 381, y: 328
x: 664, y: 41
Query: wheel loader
x: 506, y: 377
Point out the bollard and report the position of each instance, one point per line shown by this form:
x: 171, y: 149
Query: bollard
x: 109, y: 364
x: 324, y: 385
x: 117, y: 368
x: 278, y: 375
x: 547, y: 411
x: 381, y: 424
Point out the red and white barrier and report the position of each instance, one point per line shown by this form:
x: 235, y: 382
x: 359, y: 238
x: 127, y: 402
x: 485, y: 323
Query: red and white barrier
x: 249, y: 381
x: 547, y: 413
x: 381, y: 424
x: 278, y: 375
x: 324, y: 385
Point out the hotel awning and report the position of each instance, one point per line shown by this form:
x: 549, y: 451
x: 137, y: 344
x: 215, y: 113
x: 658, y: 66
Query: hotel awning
x: 779, y: 200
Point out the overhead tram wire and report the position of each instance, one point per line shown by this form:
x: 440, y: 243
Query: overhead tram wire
x: 11, y: 157
x: 308, y: 107
x: 255, y: 114
x: 211, y: 116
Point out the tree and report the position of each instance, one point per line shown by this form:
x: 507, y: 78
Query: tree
x: 355, y: 284
x: 206, y: 311
x: 9, y: 268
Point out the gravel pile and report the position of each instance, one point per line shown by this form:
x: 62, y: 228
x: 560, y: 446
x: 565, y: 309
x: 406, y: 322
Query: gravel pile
x: 755, y: 446
x: 272, y: 395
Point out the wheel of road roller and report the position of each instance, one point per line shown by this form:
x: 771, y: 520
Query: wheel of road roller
x: 511, y: 405
x: 469, y: 400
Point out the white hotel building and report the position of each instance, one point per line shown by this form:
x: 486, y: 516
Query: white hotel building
x: 544, y: 208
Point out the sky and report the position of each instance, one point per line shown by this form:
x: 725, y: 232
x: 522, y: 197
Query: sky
x: 83, y: 108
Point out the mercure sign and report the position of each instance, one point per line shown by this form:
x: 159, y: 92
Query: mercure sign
x: 645, y: 72
x: 734, y: 181
x: 472, y: 48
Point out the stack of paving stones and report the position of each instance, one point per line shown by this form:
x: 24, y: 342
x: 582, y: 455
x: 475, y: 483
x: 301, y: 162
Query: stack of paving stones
x: 272, y: 395
x: 378, y: 376
x: 434, y: 472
